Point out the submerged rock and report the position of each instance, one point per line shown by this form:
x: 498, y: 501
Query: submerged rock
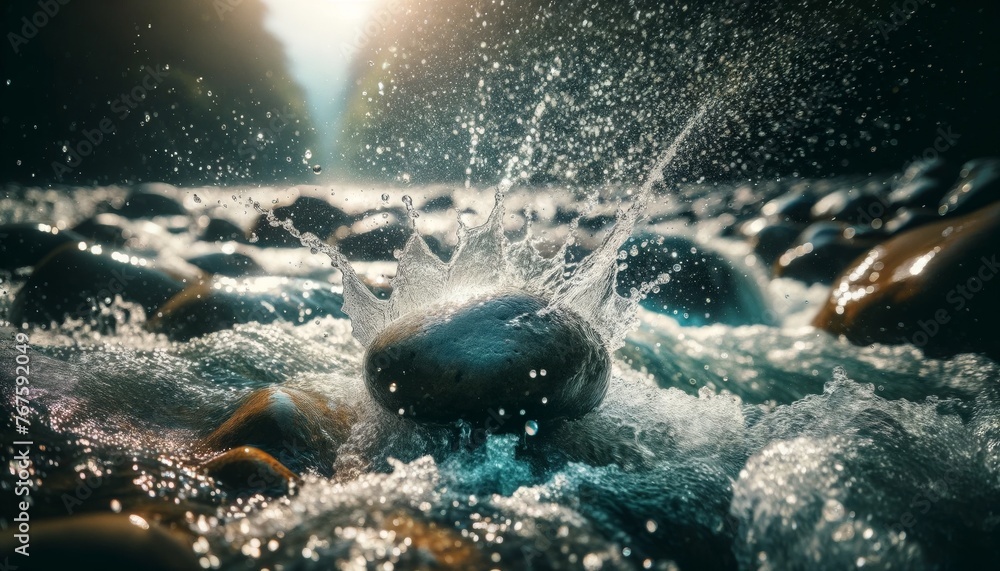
x: 377, y: 244
x: 908, y: 219
x: 251, y: 471
x: 105, y: 541
x: 703, y: 286
x: 222, y: 230
x: 308, y: 214
x: 794, y: 207
x: 26, y: 244
x: 923, y: 184
x: 821, y: 252
x: 769, y: 241
x: 486, y: 358
x: 204, y: 308
x: 297, y: 427
x: 933, y: 287
x: 978, y: 185
x: 230, y: 265
x: 73, y: 283
x: 118, y: 232
x: 853, y: 206
x: 150, y: 200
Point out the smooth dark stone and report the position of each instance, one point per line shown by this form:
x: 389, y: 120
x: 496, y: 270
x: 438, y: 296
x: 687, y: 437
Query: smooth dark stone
x: 222, y: 230
x: 704, y: 288
x: 908, y: 219
x: 773, y: 240
x: 438, y: 204
x: 473, y: 361
x: 297, y: 427
x: 935, y: 287
x: 150, y: 200
x: 821, y: 253
x: 819, y: 232
x: 308, y: 214
x: 378, y: 244
x: 978, y: 186
x: 866, y: 232
x: 920, y: 193
x: 935, y: 169
x: 201, y: 309
x: 102, y: 541
x: 793, y: 207
x: 104, y: 229
x: 71, y: 282
x: 230, y: 265
x: 852, y: 206
x: 249, y: 470
x: 26, y: 244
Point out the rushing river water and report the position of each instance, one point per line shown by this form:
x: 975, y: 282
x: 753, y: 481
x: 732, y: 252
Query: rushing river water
x: 319, y: 376
x: 768, y: 445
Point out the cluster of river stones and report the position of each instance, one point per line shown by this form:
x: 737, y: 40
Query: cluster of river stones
x: 911, y: 260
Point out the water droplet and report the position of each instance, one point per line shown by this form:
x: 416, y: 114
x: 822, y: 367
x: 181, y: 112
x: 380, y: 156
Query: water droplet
x: 545, y: 400
x: 385, y: 197
x: 317, y: 169
x: 309, y: 154
x: 197, y: 199
x: 542, y: 372
x: 833, y: 510
x: 533, y: 374
x: 116, y: 506
x: 531, y: 428
x: 651, y: 526
x: 392, y: 387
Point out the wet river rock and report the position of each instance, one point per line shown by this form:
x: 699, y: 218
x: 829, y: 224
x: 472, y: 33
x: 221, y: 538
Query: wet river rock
x: 933, y: 287
x: 74, y: 283
x: 485, y: 359
x: 27, y: 243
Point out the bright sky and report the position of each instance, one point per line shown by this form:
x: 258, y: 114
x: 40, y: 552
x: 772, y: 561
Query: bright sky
x: 319, y: 38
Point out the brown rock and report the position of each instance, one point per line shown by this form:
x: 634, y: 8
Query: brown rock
x: 933, y: 287
x: 297, y: 427
x: 445, y: 548
x: 103, y: 541
x: 249, y: 469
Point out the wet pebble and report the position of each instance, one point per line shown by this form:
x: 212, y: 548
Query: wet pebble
x: 231, y: 265
x: 222, y: 230
x: 250, y: 470
x: 934, y: 287
x: 908, y: 219
x: 26, y: 244
x: 105, y: 541
x: 923, y: 184
x: 149, y: 200
x: 473, y: 361
x: 821, y: 252
x: 703, y: 287
x: 308, y: 214
x: 73, y: 282
x: 203, y: 308
x: 298, y: 427
x: 977, y: 186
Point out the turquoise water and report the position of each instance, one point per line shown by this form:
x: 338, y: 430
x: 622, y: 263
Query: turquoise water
x: 756, y: 446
